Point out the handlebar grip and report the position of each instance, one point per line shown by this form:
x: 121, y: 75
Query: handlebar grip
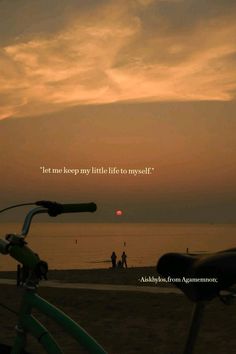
x: 78, y: 208
x: 55, y: 208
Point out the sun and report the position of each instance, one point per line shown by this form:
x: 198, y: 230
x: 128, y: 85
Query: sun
x: 119, y: 212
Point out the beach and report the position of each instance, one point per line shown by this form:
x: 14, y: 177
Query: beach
x: 124, y: 322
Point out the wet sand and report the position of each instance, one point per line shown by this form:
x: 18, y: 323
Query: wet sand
x: 125, y: 322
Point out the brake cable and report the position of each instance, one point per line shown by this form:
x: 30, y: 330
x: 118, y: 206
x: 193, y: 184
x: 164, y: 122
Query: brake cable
x: 15, y: 206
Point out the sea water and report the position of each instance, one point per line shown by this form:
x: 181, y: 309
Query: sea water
x: 86, y: 246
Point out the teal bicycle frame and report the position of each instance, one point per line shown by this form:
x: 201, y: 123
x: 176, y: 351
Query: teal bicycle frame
x: 29, y: 324
x: 15, y: 246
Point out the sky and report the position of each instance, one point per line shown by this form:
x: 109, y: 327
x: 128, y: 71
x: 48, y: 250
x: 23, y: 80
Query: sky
x: 125, y: 84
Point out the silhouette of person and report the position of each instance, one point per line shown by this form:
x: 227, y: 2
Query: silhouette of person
x: 113, y: 259
x: 124, y: 260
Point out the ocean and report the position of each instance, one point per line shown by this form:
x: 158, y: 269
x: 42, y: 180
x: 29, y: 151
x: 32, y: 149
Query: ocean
x: 86, y: 246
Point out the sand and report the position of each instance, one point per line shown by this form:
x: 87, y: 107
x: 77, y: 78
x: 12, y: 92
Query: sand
x: 126, y: 322
x: 128, y: 276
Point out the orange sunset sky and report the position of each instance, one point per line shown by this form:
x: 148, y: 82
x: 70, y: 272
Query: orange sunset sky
x: 130, y: 84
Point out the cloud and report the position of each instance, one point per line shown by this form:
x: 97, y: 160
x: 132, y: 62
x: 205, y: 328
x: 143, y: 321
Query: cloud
x: 139, y: 51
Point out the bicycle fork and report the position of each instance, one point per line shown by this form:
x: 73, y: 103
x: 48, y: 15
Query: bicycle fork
x: 27, y: 323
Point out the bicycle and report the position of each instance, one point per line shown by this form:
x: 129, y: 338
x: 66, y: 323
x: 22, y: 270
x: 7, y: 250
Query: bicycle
x: 201, y: 279
x: 33, y: 270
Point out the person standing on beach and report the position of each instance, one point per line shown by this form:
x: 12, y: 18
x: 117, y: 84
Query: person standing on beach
x: 113, y: 259
x: 124, y: 260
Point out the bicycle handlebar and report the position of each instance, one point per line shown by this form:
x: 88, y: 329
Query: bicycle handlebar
x: 15, y: 244
x: 55, y: 208
x: 52, y: 209
x: 79, y: 208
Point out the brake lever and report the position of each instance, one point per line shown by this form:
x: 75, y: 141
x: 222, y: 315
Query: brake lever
x: 54, y: 208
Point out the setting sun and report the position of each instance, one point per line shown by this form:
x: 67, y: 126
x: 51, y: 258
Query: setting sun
x: 119, y: 212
